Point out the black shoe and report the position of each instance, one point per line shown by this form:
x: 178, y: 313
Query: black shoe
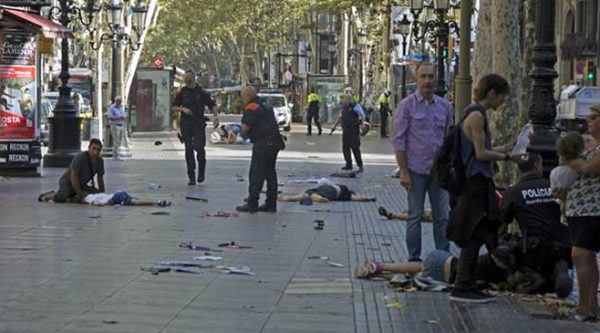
x: 360, y: 169
x: 308, y: 134
x: 320, y: 132
x: 383, y: 212
x: 267, y: 208
x: 469, y: 296
x: 247, y: 209
x: 200, y: 179
x: 192, y: 182
x: 347, y: 168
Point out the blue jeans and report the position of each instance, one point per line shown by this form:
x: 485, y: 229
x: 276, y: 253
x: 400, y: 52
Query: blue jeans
x: 439, y: 199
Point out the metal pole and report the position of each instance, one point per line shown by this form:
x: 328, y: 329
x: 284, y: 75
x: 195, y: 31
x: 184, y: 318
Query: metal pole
x: 64, y: 137
x: 542, y: 105
x: 463, y: 82
x: 403, y: 91
x: 116, y: 68
x: 442, y: 35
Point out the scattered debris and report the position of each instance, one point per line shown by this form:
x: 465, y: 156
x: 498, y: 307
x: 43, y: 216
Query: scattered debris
x: 208, y: 258
x: 350, y: 174
x: 244, y: 270
x: 155, y: 270
x: 334, y: 264
x: 158, y: 143
x: 205, y: 214
x: 94, y: 215
x: 185, y: 270
x: 396, y: 305
x: 431, y: 321
x: 318, y: 257
x: 112, y: 322
x: 196, y: 198
x: 154, y: 186
x: 197, y: 247
x: 181, y: 263
x: 233, y: 245
x: 318, y: 224
x: 313, y: 156
x: 386, y: 244
x: 308, y: 143
x: 160, y: 213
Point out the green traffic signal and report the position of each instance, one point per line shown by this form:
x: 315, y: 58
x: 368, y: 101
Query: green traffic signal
x: 590, y: 76
x: 444, y: 53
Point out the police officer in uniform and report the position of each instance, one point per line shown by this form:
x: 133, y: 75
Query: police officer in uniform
x: 259, y: 123
x: 352, y: 121
x: 190, y: 102
x: 314, y: 104
x: 384, y: 112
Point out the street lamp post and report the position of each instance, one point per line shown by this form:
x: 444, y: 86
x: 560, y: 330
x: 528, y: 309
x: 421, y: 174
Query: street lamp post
x: 404, y: 30
x: 65, y: 136
x: 542, y: 105
x: 439, y: 29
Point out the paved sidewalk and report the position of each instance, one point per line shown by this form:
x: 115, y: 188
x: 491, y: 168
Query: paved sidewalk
x: 74, y: 268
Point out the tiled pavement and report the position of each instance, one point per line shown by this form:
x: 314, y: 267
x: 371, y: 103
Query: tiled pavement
x: 71, y: 268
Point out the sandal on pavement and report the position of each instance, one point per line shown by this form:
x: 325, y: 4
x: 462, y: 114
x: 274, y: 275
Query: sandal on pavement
x: 582, y: 318
x: 41, y: 197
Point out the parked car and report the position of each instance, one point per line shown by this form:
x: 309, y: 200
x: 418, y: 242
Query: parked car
x: 281, y: 108
x: 48, y: 102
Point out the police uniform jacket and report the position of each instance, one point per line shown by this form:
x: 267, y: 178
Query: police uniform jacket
x: 194, y: 99
x: 261, y: 120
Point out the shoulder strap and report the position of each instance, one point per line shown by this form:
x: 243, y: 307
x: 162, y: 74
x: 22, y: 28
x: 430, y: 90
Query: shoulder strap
x: 87, y: 154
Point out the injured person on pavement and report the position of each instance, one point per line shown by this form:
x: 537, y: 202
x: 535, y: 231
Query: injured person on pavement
x: 106, y: 199
x: 324, y: 193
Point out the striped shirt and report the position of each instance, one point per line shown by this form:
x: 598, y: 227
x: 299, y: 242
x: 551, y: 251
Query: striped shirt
x: 419, y: 129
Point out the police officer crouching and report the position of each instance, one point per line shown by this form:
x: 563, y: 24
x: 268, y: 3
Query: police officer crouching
x: 259, y: 123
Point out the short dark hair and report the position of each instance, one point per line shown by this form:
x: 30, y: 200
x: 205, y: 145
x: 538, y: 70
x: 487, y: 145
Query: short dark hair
x: 95, y: 141
x: 421, y: 64
x: 530, y: 163
x: 488, y: 83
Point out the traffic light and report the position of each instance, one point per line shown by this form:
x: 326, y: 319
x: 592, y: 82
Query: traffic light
x: 591, y: 71
x: 444, y: 53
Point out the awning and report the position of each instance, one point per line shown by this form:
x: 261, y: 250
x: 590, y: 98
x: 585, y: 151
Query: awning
x: 49, y: 29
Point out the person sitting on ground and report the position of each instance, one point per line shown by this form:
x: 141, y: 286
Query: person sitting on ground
x: 427, y: 216
x: 78, y: 179
x: 117, y: 198
x: 229, y: 133
x: 326, y: 193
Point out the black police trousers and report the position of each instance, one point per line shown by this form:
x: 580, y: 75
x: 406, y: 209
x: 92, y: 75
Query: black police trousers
x: 383, y: 117
x: 194, y: 139
x: 262, y: 167
x: 351, y: 143
x: 310, y: 115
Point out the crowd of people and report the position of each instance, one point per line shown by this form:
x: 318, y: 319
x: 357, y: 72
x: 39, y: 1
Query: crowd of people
x: 536, y: 260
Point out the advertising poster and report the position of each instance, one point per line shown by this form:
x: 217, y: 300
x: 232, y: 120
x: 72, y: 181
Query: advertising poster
x: 17, y: 85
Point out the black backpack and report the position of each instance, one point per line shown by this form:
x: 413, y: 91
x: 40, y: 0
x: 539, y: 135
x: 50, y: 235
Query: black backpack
x: 448, y: 170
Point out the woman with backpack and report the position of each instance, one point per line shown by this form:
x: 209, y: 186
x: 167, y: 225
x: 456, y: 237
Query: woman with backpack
x: 473, y: 222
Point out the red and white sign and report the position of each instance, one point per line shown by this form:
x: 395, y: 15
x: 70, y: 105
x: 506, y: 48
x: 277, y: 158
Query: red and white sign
x: 158, y: 62
x: 17, y: 104
x: 579, y: 67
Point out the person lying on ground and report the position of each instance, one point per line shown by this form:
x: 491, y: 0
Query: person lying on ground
x: 427, y: 217
x: 78, y: 179
x: 228, y: 133
x: 106, y: 199
x: 503, y: 268
x: 326, y: 193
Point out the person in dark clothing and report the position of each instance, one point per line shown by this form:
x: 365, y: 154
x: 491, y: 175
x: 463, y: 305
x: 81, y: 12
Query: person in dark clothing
x: 352, y: 120
x: 312, y: 113
x: 474, y: 221
x: 190, y: 102
x: 384, y: 112
x: 547, y: 249
x: 78, y: 180
x: 326, y: 193
x: 258, y: 122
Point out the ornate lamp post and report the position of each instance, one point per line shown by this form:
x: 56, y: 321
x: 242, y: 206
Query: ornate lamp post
x: 403, y: 28
x: 117, y: 36
x: 542, y: 105
x: 65, y: 137
x: 439, y: 29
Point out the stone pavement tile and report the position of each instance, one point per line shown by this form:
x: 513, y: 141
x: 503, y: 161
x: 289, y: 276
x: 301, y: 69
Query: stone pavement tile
x: 315, y: 322
x: 217, y: 320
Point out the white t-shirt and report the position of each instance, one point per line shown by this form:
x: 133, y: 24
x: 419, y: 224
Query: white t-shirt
x: 98, y: 199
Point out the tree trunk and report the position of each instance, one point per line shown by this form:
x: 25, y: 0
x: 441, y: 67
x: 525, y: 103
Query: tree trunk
x: 500, y: 19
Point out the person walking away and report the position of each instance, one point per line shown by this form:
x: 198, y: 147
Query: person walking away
x: 384, y: 112
x: 78, y: 179
x: 259, y: 123
x: 420, y: 123
x: 583, y: 216
x: 352, y: 119
x: 116, y: 119
x: 190, y: 103
x: 314, y: 105
x: 475, y: 219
